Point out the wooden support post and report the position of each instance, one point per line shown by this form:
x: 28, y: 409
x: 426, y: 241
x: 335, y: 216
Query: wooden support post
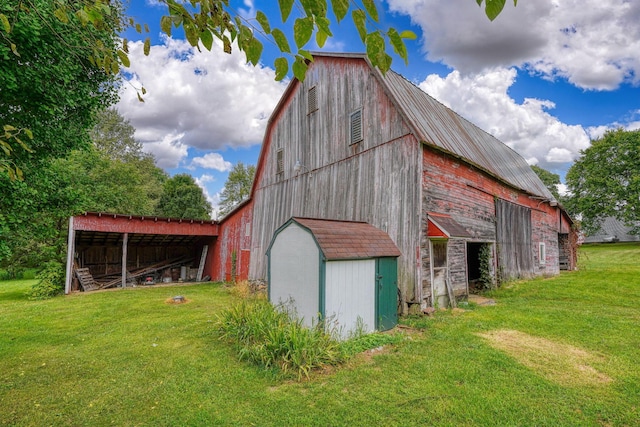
x: 125, y: 239
x: 71, y: 248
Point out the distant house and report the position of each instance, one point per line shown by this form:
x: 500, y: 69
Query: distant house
x: 351, y: 144
x: 612, y: 230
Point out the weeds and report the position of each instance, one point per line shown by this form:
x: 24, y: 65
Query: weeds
x: 270, y: 337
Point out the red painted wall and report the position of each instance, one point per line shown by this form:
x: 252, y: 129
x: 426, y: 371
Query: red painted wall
x: 467, y: 194
x: 234, y: 236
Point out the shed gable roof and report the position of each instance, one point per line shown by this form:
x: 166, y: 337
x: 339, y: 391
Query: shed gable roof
x: 349, y: 239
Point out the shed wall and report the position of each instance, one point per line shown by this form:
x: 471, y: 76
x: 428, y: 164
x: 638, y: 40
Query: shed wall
x: 350, y: 295
x: 295, y: 272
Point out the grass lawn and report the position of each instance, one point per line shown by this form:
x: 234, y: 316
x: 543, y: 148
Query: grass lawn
x: 559, y: 351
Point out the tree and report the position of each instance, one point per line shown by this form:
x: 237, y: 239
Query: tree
x: 237, y: 187
x: 33, y: 221
x: 549, y: 179
x: 52, y: 87
x: 605, y: 181
x: 183, y: 198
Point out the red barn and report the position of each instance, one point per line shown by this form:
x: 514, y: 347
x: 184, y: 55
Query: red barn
x: 352, y: 144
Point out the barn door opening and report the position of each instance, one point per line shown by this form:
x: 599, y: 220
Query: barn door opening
x: 439, y: 272
x: 479, y: 266
x: 386, y: 293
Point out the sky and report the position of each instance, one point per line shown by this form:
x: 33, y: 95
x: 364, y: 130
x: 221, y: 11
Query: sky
x: 546, y: 77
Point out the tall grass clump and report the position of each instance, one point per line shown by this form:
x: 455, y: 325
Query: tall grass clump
x: 274, y: 338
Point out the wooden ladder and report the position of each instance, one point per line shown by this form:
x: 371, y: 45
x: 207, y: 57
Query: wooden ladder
x: 86, y: 279
x: 452, y: 297
x: 203, y: 259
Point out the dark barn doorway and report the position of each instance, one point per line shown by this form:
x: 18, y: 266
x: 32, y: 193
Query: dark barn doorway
x: 474, y: 265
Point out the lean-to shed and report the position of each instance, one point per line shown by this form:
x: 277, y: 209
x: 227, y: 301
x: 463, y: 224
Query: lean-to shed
x: 341, y: 271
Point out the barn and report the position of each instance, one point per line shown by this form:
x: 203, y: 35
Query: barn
x: 342, y: 272
x: 350, y: 144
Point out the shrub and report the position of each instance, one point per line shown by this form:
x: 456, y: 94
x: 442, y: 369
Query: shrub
x: 50, y: 282
x: 273, y: 338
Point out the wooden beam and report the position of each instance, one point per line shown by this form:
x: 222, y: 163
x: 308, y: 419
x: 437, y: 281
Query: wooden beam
x: 71, y: 248
x: 125, y: 239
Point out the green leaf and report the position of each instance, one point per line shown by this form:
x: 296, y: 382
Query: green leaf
x: 285, y: 8
x: 82, y: 16
x: 376, y: 51
x: 28, y: 133
x: 321, y: 38
x: 340, y: 8
x: 263, y: 21
x: 360, y: 21
x: 324, y: 25
x: 124, y: 58
x: 302, y: 31
x: 282, y: 68
x: 191, y: 33
x: 254, y: 51
x: 370, y: 6
x: 207, y: 39
x: 165, y: 25
x: 493, y: 8
x: 299, y: 68
x: 306, y: 55
x: 9, y: 128
x: 61, y: 14
x: 14, y: 49
x: 5, y: 23
x: 398, y: 44
x: 125, y: 45
x: 407, y: 34
x: 281, y: 40
x: 147, y: 46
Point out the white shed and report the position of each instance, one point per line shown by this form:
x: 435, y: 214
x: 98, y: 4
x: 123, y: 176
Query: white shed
x: 341, y: 271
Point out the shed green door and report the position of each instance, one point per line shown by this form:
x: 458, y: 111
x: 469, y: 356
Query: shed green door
x: 386, y: 293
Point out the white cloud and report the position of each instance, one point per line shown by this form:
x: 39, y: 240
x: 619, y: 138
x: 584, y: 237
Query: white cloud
x: 211, y: 99
x: 591, y: 43
x: 528, y: 128
x: 168, y: 150
x: 201, y: 182
x: 212, y: 161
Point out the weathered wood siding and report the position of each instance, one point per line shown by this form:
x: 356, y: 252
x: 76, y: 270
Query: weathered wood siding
x: 234, y: 238
x: 376, y: 180
x: 453, y: 187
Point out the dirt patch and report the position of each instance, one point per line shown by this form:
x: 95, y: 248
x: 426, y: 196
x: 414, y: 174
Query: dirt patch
x: 565, y: 364
x: 177, y: 300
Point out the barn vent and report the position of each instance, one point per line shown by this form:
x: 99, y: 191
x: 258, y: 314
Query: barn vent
x: 312, y: 100
x: 356, y: 126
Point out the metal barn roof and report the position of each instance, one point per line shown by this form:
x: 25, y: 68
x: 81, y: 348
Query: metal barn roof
x: 437, y: 125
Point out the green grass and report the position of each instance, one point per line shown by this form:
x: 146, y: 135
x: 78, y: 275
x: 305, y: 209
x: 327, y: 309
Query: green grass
x: 127, y: 358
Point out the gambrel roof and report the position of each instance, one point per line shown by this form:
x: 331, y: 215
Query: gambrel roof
x: 435, y: 125
x: 341, y: 240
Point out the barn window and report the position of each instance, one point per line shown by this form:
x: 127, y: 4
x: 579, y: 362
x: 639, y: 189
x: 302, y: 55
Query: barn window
x: 355, y: 127
x: 542, y: 253
x: 312, y: 100
x: 279, y: 162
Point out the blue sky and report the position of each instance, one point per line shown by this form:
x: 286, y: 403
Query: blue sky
x: 545, y: 78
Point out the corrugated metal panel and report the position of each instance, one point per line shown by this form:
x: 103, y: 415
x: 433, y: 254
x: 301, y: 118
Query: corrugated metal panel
x: 441, y: 127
